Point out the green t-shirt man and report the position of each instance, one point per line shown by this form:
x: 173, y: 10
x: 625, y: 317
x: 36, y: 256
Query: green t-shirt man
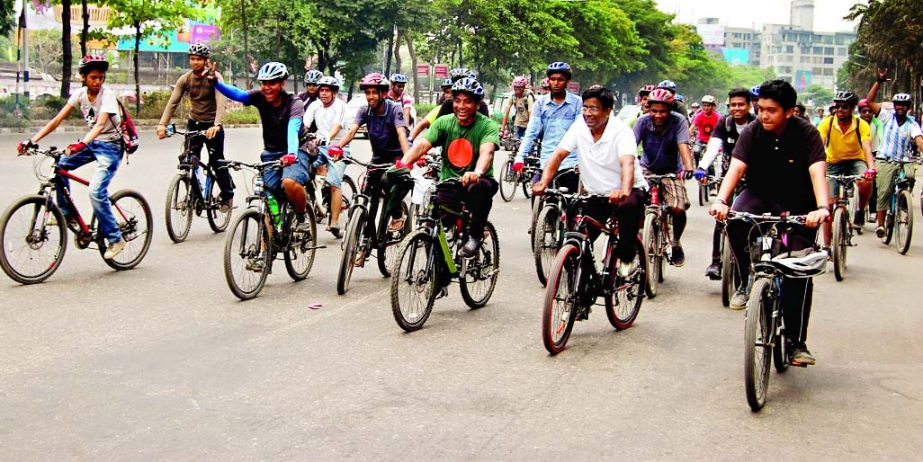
x: 461, y: 145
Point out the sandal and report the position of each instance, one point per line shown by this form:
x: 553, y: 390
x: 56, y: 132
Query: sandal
x: 397, y: 225
x: 360, y: 259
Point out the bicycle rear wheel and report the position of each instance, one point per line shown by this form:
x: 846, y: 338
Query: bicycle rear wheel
x: 133, y: 215
x: 508, y: 180
x: 560, y: 306
x: 903, y: 222
x: 354, y: 231
x: 247, y: 256
x: 299, y: 257
x: 623, y: 297
x: 217, y: 221
x: 729, y: 277
x: 703, y: 194
x: 413, y: 286
x: 838, y: 242
x: 178, y: 208
x: 546, y: 240
x: 390, y: 242
x: 478, y: 276
x: 32, y: 248
x: 651, y: 239
x: 757, y: 340
x: 526, y: 187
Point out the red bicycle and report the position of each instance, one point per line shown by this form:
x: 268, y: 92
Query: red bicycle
x: 34, y: 232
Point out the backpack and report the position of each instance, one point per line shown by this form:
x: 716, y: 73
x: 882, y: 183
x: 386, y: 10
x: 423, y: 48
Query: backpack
x: 830, y: 130
x: 127, y: 130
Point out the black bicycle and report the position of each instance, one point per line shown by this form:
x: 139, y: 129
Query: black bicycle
x: 549, y: 226
x: 511, y: 179
x: 33, y: 229
x: 899, y: 216
x: 321, y: 204
x: 192, y: 192
x: 841, y: 237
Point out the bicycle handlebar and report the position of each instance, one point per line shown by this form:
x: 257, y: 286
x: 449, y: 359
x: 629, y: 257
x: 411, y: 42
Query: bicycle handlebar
x: 52, y: 151
x: 237, y: 165
x: 766, y: 218
x: 845, y: 178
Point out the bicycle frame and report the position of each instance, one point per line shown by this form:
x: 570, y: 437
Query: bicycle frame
x: 580, y: 237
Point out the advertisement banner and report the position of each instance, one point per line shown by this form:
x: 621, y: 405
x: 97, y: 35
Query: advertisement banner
x: 422, y: 70
x: 441, y: 71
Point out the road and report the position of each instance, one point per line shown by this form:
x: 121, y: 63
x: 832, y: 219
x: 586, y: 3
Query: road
x: 163, y: 363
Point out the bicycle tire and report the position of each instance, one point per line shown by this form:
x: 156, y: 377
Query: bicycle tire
x: 354, y: 231
x: 650, y: 237
x: 508, y: 181
x: 903, y: 222
x: 558, y: 324
x: 253, y: 250
x: 526, y: 187
x: 628, y: 297
x: 124, y: 209
x: 483, y: 269
x: 299, y: 258
x: 838, y: 242
x: 853, y: 209
x: 781, y: 350
x: 757, y: 357
x: 547, y: 236
x: 178, y: 208
x: 387, y: 251
x: 419, y: 280
x: 703, y: 194
x: 44, y: 269
x: 217, y: 221
x: 889, y: 227
x: 729, y: 276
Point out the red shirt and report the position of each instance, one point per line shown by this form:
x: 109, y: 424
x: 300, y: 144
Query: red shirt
x: 705, y: 125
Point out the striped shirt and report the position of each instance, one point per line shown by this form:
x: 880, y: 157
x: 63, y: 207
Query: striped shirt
x: 895, y: 140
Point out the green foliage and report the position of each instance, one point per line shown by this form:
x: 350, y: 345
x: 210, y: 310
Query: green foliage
x: 423, y: 109
x: 820, y: 96
x: 242, y: 116
x: 7, y: 21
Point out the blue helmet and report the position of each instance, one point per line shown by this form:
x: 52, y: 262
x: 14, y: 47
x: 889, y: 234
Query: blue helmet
x: 559, y: 67
x: 755, y: 91
x: 680, y: 98
x: 447, y: 83
x: 312, y: 77
x: 668, y: 85
x: 459, y: 73
x: 469, y: 86
x: 398, y: 78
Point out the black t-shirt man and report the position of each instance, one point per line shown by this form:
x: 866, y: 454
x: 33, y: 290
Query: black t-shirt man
x: 729, y: 132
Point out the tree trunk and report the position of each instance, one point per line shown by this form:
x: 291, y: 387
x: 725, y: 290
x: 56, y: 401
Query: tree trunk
x: 397, y: 51
x: 243, y: 16
x: 137, y: 72
x: 67, y: 60
x: 86, y: 28
x: 352, y: 86
x: 388, y: 54
x: 413, y: 66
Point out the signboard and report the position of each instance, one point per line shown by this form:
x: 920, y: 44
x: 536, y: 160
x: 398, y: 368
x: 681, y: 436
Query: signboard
x: 803, y: 80
x: 175, y: 41
x: 441, y: 71
x: 422, y: 70
x: 573, y: 87
x: 712, y: 34
x: 736, y: 55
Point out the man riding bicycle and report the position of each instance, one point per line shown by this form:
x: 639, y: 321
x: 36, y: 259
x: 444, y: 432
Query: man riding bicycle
x: 523, y: 103
x: 329, y: 114
x: 781, y: 148
x: 208, y: 108
x: 704, y: 123
x: 447, y: 106
x: 103, y: 143
x: 664, y: 137
x: 398, y: 95
x: 469, y: 140
x: 311, y: 88
x: 678, y: 104
x: 605, y: 148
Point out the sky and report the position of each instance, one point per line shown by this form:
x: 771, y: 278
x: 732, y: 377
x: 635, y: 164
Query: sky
x: 828, y: 14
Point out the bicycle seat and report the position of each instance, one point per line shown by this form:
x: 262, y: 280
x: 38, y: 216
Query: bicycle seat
x: 801, y: 263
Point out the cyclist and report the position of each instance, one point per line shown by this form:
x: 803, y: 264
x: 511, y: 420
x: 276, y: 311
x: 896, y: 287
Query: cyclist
x: 606, y: 151
x: 678, y: 104
x: 818, y: 117
x: 849, y: 152
x: 469, y: 140
x: 103, y: 143
x: 664, y: 137
x: 387, y: 132
x: 642, y: 102
x: 704, y: 123
x: 523, y: 102
x: 801, y: 111
x: 865, y: 112
x: 899, y: 134
x: 780, y: 148
x: 208, y: 108
x: 723, y: 140
x: 311, y: 89
x: 446, y: 107
x: 754, y: 98
x: 329, y: 113
x: 694, y: 109
x: 552, y: 115
x: 284, y: 133
x: 398, y: 95
x: 446, y: 94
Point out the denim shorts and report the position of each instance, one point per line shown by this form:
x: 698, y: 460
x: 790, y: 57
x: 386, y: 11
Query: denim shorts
x: 846, y: 167
x: 297, y: 171
x: 335, y: 170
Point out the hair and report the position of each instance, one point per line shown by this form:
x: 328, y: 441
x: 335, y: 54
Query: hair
x: 801, y: 108
x: 739, y: 93
x: 779, y: 91
x: 602, y: 94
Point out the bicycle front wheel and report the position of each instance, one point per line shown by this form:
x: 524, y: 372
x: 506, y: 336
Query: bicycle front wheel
x: 390, y: 241
x: 650, y: 237
x: 178, y: 208
x: 508, y: 181
x: 560, y: 307
x: 247, y: 255
x: 350, y: 249
x: 217, y: 221
x: 729, y: 278
x: 478, y: 276
x: 546, y: 240
x: 757, y: 343
x: 33, y: 245
x: 299, y: 258
x: 623, y: 296
x: 703, y: 194
x: 838, y: 242
x: 133, y: 215
x: 413, y: 286
x: 903, y: 222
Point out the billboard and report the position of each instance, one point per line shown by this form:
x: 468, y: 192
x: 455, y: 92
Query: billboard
x: 712, y: 34
x: 803, y: 79
x: 174, y: 41
x: 736, y: 55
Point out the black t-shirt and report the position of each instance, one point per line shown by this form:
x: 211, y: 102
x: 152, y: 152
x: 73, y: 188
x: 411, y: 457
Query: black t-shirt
x: 726, y: 131
x: 446, y: 108
x: 777, y: 165
x: 275, y: 120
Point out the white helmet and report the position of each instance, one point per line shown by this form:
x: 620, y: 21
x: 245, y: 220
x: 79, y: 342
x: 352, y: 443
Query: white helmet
x: 802, y: 264
x: 272, y: 71
x: 329, y: 81
x: 708, y: 99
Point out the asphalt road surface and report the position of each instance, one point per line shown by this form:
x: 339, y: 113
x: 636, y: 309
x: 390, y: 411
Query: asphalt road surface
x: 163, y: 363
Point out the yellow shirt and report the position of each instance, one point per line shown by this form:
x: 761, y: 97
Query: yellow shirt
x: 844, y: 146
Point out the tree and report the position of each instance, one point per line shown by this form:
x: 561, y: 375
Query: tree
x: 7, y: 21
x: 67, y: 58
x: 818, y: 95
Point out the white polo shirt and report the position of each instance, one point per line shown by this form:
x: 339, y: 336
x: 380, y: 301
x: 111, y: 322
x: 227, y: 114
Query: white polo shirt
x: 600, y: 161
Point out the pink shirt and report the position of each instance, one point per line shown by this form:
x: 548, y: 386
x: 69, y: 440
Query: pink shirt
x: 405, y: 99
x: 705, y: 125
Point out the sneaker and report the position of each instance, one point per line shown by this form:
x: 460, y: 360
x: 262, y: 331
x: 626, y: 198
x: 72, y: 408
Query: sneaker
x: 628, y: 268
x: 226, y: 205
x: 802, y: 357
x: 679, y: 257
x: 71, y: 223
x: 114, y: 249
x: 880, y: 232
x: 255, y: 265
x: 738, y: 300
x: 303, y: 226
x: 714, y: 270
x: 470, y: 248
x: 335, y: 230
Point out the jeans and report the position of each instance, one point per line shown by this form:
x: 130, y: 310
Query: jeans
x: 107, y: 156
x: 215, y: 148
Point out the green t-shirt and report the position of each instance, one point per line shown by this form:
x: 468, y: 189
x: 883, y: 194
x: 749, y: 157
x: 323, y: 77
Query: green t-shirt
x: 461, y: 145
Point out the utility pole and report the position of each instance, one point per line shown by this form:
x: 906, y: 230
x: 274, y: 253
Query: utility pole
x: 25, y: 48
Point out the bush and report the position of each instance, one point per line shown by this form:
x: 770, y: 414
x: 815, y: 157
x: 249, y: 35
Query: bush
x: 246, y: 115
x: 423, y: 109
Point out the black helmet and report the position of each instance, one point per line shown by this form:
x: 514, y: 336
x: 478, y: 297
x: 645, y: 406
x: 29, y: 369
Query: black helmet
x: 847, y: 97
x: 199, y: 49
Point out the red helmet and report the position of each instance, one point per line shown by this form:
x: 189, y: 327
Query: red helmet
x: 91, y: 62
x: 374, y: 80
x: 520, y: 81
x: 863, y: 102
x: 646, y: 90
x: 545, y: 83
x: 660, y: 95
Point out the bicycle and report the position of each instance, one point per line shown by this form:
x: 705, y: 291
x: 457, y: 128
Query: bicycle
x: 730, y: 277
x: 34, y: 231
x: 383, y: 242
x: 192, y: 191
x: 842, y: 233
x: 899, y: 216
x: 511, y: 179
x: 549, y: 226
x: 765, y: 339
x: 322, y: 206
x: 575, y: 283
x: 266, y: 228
x: 428, y: 261
x: 657, y: 234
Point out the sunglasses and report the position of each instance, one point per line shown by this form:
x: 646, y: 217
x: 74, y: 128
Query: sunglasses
x: 843, y: 106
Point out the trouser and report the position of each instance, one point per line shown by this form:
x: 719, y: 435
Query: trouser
x: 628, y: 216
x: 394, y: 185
x: 215, y: 148
x: 887, y: 174
x: 796, y: 294
x: 519, y: 132
x: 477, y: 196
x: 107, y: 156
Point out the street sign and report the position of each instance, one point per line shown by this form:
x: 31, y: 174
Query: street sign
x: 573, y: 87
x: 422, y: 70
x: 441, y: 71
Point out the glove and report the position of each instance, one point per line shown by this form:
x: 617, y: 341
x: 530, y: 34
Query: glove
x: 870, y: 173
x: 25, y: 146
x: 335, y: 152
x: 400, y: 164
x: 288, y: 159
x: 700, y: 173
x: 76, y: 147
x: 421, y: 162
x: 686, y: 174
x: 517, y: 167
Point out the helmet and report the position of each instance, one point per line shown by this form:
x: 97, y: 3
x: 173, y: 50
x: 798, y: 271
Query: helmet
x: 668, y: 85
x: 199, y: 49
x: 470, y: 86
x: 312, y: 77
x: 680, y: 98
x: 520, y: 81
x: 708, y: 99
x: 802, y: 264
x: 660, y: 95
x: 272, y: 71
x: 459, y: 73
x: 329, y: 81
x: 901, y: 98
x: 559, y: 67
x: 863, y: 103
x: 695, y: 105
x: 646, y: 90
x: 755, y: 91
x: 447, y: 83
x: 545, y: 83
x: 847, y: 97
x: 374, y: 80
x: 91, y: 62
x: 398, y: 78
